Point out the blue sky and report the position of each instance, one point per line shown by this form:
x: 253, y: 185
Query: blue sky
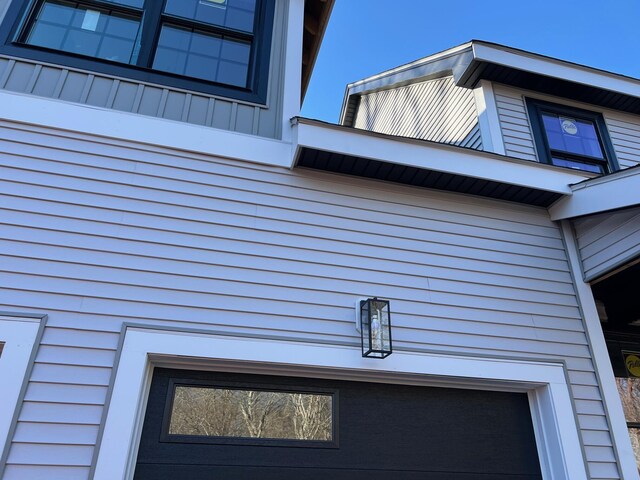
x: 365, y: 37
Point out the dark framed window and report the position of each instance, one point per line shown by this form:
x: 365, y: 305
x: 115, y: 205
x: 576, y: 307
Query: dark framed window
x: 214, y: 46
x: 232, y: 413
x: 571, y: 137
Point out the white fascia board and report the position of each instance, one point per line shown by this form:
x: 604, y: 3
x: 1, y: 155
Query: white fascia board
x: 440, y: 158
x: 556, y: 68
x: 620, y: 190
x: 57, y: 114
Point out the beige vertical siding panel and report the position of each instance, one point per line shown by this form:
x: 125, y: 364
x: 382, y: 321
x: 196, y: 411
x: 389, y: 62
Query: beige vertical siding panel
x: 125, y: 96
x: 4, y: 63
x: 434, y: 110
x: 104, y: 233
x: 73, y: 87
x: 197, y: 112
x: 174, y: 106
x: 150, y: 100
x: 46, y: 82
x: 99, y: 92
x: 221, y: 114
x: 244, y: 119
x: 19, y: 77
x: 607, y: 241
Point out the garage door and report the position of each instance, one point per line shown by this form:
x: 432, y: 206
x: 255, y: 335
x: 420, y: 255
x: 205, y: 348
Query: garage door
x: 203, y: 425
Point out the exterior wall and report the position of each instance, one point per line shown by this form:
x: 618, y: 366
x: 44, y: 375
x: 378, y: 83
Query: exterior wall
x: 608, y: 240
x: 434, y: 110
x: 624, y: 129
x: 96, y: 232
x: 99, y: 90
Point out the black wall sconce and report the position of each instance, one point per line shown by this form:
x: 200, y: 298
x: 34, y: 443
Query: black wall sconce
x: 374, y: 322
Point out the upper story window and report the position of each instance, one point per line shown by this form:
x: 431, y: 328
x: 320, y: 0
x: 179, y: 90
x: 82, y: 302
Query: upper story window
x: 214, y: 46
x: 571, y: 137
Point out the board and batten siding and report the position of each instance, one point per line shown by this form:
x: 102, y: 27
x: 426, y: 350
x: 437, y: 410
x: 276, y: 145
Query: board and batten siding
x: 608, y: 241
x: 101, y: 90
x: 96, y: 232
x: 434, y: 110
x: 624, y: 129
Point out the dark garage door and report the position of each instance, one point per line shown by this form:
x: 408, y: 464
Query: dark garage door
x: 203, y: 425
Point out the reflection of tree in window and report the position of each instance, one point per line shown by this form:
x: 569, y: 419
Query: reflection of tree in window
x: 220, y: 412
x: 629, y: 390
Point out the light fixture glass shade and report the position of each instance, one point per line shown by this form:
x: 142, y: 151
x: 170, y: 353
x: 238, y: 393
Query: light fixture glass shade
x: 375, y: 322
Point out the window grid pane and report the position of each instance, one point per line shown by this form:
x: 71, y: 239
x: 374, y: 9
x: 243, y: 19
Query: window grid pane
x: 572, y: 135
x: 231, y: 14
x: 76, y: 28
x: 203, y: 55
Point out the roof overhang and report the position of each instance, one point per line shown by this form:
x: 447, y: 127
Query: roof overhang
x: 548, y: 75
x: 477, y: 60
x: 316, y: 18
x: 420, y: 163
x: 611, y: 192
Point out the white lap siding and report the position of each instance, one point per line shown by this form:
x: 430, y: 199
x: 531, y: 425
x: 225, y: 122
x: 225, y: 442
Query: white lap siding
x: 96, y: 232
x: 608, y: 241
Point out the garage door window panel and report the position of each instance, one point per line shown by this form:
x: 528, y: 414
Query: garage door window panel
x: 249, y: 414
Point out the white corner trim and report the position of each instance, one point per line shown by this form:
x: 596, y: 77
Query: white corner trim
x: 601, y: 194
x: 602, y: 364
x: 488, y: 118
x: 19, y: 336
x: 292, y: 88
x: 132, y: 127
x: 546, y: 383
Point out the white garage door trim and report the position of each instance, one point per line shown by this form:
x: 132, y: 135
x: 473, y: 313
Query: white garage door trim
x: 546, y: 383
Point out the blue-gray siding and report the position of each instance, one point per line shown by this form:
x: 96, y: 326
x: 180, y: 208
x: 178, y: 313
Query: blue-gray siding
x: 99, y: 90
x: 608, y: 241
x: 97, y: 232
x: 433, y: 110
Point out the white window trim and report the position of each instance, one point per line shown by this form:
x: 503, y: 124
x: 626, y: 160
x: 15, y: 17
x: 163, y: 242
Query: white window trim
x: 19, y: 336
x: 545, y: 382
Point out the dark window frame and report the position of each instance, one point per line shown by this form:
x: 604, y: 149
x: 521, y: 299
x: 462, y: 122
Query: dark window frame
x: 537, y: 107
x: 174, y: 382
x: 20, y: 14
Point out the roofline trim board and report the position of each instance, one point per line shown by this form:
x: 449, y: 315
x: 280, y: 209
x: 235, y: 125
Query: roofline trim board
x: 535, y: 63
x: 602, y: 194
x: 433, y: 156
